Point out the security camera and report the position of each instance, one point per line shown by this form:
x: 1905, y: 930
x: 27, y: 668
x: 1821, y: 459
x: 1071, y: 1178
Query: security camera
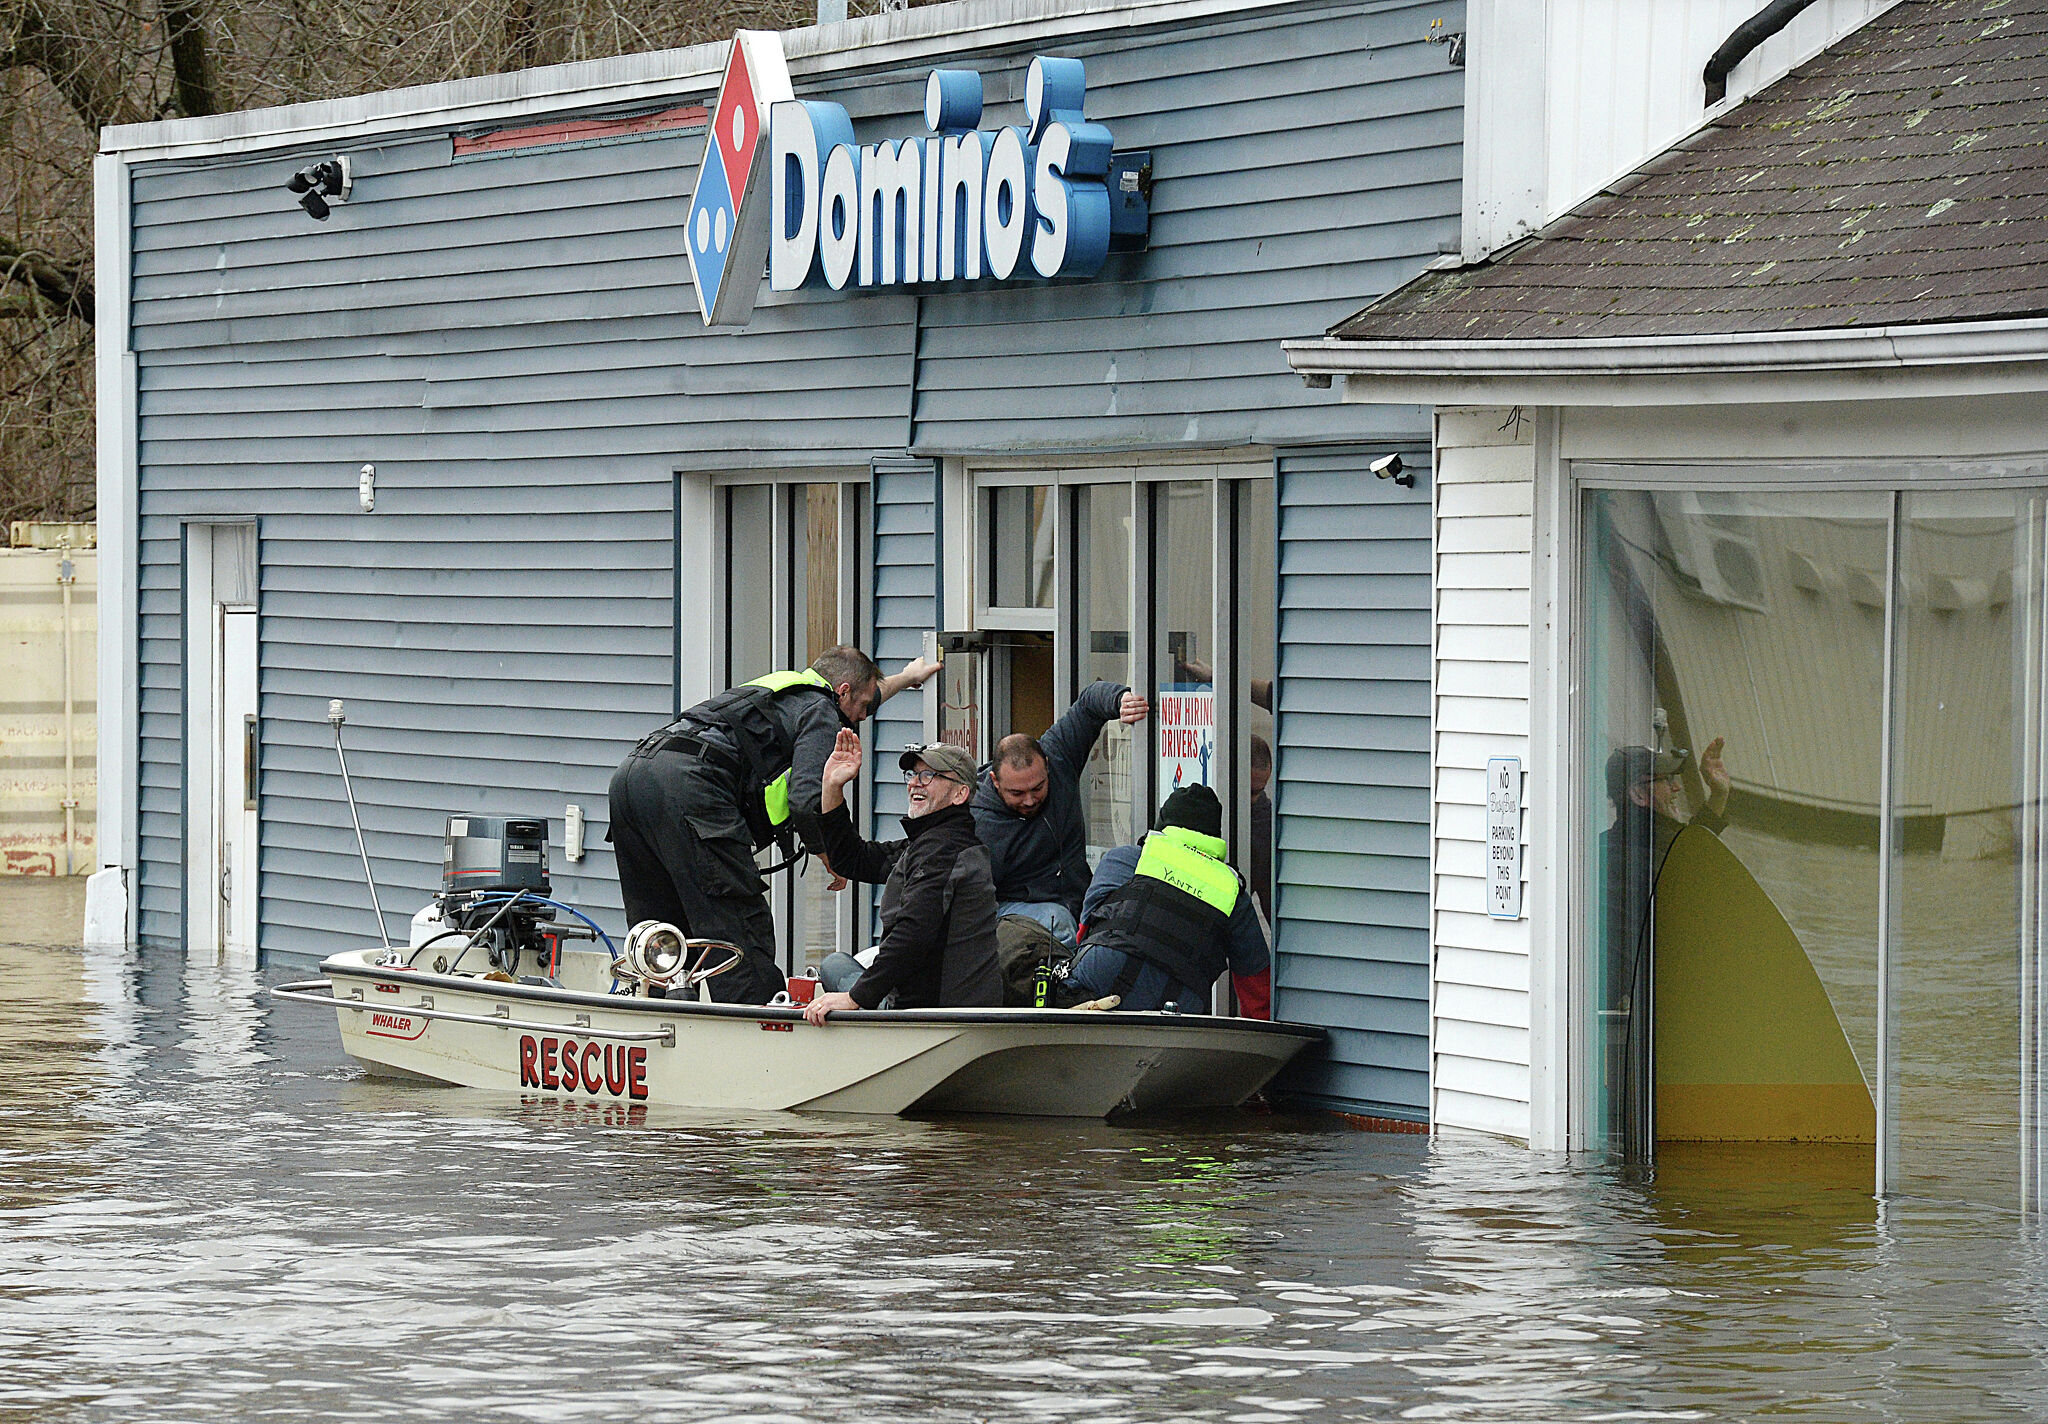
x: 1390, y: 467
x: 321, y: 182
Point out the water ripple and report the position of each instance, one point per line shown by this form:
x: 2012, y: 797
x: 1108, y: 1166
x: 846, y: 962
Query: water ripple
x: 206, y: 1212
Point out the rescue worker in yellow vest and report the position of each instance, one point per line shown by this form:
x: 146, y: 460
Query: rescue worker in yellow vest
x: 1164, y: 917
x: 737, y: 772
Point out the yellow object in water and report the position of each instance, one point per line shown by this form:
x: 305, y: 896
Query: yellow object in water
x: 1748, y: 1045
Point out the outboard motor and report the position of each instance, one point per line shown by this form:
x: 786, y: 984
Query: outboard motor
x: 482, y: 853
x: 494, y: 880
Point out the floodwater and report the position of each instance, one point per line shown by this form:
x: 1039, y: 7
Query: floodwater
x: 206, y: 1213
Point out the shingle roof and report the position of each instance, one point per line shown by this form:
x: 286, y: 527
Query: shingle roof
x: 1900, y: 176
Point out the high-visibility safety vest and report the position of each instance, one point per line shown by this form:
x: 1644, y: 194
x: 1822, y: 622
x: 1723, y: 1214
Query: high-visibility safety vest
x: 775, y: 794
x: 1175, y: 910
x: 741, y: 719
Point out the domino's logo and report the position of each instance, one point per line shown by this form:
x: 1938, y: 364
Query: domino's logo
x: 725, y: 236
x: 786, y: 186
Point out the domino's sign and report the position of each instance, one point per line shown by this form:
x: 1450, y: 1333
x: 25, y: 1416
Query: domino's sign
x: 1023, y: 202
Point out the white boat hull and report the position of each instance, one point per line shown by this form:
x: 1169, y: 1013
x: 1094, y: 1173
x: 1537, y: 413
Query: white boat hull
x: 536, y: 1039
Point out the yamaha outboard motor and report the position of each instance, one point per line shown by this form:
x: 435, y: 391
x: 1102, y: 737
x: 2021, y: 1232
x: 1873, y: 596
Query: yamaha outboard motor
x: 483, y: 853
x: 494, y: 880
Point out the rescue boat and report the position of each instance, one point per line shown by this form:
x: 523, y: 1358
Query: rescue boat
x: 494, y: 991
x: 575, y: 1038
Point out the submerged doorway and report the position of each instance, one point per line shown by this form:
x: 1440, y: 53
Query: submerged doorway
x: 1812, y: 744
x: 222, y: 742
x: 1158, y: 577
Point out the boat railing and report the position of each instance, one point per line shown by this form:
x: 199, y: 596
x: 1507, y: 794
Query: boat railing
x: 308, y: 991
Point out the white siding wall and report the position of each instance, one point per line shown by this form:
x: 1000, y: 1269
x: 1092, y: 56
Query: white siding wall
x: 1485, y: 531
x: 1569, y: 94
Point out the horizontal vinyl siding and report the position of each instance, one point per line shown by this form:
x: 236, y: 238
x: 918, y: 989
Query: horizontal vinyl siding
x: 514, y: 344
x: 1481, y: 680
x: 1352, y: 809
x: 906, y: 608
x: 1304, y: 162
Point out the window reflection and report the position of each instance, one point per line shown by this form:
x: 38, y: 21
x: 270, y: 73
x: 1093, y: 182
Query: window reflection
x: 1733, y: 724
x: 1102, y: 652
x: 1021, y: 546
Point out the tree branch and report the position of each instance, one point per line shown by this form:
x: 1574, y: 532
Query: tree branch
x: 42, y: 280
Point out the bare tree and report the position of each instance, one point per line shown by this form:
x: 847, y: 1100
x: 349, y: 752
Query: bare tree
x: 71, y: 67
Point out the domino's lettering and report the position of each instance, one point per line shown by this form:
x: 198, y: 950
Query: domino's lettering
x: 964, y: 204
x: 961, y: 205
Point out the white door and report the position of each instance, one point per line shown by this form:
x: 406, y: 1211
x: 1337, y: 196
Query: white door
x: 235, y: 760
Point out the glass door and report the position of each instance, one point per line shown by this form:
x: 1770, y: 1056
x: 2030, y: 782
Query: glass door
x: 1100, y: 646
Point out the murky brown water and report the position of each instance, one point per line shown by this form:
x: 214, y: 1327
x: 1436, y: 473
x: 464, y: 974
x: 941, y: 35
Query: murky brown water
x: 207, y: 1214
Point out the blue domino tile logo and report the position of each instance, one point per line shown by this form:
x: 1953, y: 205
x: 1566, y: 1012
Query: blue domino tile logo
x: 713, y: 220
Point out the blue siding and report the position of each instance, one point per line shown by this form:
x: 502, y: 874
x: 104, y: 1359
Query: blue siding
x: 1352, y: 810
x: 513, y: 342
x: 1305, y: 161
x: 906, y: 608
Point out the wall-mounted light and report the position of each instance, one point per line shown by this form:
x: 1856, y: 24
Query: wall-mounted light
x: 322, y: 184
x: 366, y: 488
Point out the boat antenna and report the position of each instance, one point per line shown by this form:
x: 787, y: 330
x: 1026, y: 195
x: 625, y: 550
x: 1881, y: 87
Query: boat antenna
x: 337, y: 715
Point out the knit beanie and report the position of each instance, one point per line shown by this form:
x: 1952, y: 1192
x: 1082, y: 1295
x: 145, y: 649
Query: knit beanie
x: 1193, y: 808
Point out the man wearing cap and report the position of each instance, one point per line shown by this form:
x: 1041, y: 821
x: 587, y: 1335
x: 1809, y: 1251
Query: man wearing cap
x: 938, y: 911
x: 736, y: 773
x: 1647, y: 790
x: 1028, y: 809
x: 1164, y: 917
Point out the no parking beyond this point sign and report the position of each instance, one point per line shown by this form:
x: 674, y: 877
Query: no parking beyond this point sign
x: 1504, y: 838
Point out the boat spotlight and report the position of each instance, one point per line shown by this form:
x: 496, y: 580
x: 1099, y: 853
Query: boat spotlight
x: 655, y: 951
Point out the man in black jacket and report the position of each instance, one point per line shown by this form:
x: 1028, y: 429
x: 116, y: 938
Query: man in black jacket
x: 737, y: 772
x: 938, y: 946
x: 1029, y: 813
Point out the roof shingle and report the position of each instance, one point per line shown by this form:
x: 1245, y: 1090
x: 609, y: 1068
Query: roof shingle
x: 1900, y: 176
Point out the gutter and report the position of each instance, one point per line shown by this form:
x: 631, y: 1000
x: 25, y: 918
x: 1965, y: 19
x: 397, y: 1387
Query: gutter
x: 906, y: 38
x: 1979, y: 355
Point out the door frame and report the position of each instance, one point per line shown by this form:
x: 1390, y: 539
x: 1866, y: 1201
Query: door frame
x: 229, y: 932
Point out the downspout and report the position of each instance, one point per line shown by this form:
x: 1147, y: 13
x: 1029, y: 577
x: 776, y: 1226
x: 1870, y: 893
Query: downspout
x: 1743, y: 40
x: 67, y: 574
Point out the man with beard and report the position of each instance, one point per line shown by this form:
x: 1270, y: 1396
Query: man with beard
x: 1029, y: 812
x: 938, y: 910
x: 736, y: 773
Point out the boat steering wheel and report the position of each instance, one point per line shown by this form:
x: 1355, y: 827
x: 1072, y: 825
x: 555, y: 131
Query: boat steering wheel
x: 700, y: 951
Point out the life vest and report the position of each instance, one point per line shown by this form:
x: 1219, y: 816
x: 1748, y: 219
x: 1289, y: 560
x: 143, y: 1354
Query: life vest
x: 749, y: 740
x: 1175, y: 910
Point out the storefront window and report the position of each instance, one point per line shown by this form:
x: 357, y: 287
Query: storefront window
x: 1252, y: 606
x: 791, y: 593
x: 1966, y: 842
x: 1022, y: 539
x: 1102, y: 651
x: 1733, y: 749
x: 750, y: 571
x: 1813, y: 732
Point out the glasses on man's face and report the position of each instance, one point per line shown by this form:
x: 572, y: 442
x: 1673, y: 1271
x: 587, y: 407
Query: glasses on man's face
x: 918, y: 776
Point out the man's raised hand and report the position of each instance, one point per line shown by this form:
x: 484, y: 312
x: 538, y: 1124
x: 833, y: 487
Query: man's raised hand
x: 844, y: 763
x: 1135, y: 709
